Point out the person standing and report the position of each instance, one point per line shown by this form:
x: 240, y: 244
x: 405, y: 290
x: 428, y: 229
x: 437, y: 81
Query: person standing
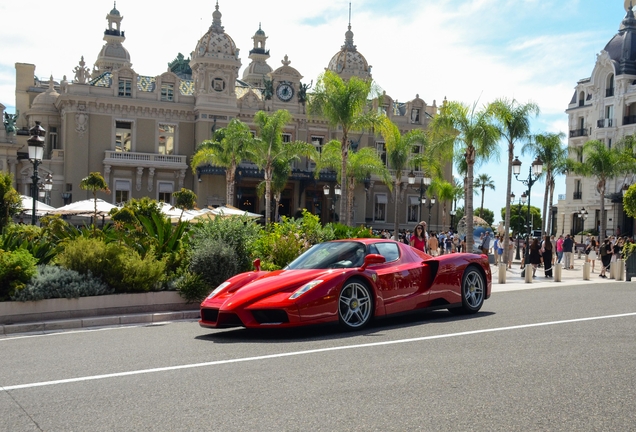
x: 485, y: 245
x: 591, y: 252
x: 535, y: 256
x: 495, y: 249
x: 418, y: 239
x: 547, y: 256
x: 433, y: 245
x: 568, y: 245
x: 559, y: 248
x: 606, y: 256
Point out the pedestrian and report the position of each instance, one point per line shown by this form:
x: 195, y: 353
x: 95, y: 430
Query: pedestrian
x: 418, y: 239
x: 568, y: 244
x: 591, y: 252
x: 485, y: 245
x: 546, y: 248
x: 535, y: 256
x: 432, y: 245
x: 559, y: 248
x: 606, y: 256
x: 511, y: 252
x: 495, y: 249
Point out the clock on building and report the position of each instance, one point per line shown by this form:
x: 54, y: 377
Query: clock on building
x: 285, y: 92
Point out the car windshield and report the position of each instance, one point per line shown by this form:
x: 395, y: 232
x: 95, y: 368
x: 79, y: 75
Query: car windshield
x: 330, y: 255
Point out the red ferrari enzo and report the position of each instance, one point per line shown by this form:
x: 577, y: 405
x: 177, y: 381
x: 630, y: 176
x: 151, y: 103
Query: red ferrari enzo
x: 350, y: 281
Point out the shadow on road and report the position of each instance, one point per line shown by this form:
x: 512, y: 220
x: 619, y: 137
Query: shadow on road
x: 333, y: 331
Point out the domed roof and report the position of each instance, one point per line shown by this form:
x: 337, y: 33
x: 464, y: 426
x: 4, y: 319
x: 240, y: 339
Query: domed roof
x: 216, y: 42
x: 348, y: 61
x: 45, y: 101
x: 115, y: 51
x: 622, y: 47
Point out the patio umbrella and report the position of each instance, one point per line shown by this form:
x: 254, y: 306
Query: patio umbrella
x: 233, y: 211
x: 85, y: 208
x: 40, y: 208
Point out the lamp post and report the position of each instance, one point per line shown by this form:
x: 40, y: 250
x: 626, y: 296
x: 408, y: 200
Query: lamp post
x: 452, y: 213
x: 425, y: 182
x: 337, y: 191
x: 36, y: 152
x: 522, y: 200
x: 533, y: 174
x: 431, y: 203
x: 45, y: 188
x: 583, y: 216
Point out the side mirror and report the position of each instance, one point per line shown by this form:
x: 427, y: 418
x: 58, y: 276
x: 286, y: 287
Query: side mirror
x: 257, y: 264
x: 372, y: 259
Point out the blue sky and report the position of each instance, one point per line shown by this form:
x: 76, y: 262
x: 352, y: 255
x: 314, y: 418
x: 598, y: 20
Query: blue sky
x: 467, y: 51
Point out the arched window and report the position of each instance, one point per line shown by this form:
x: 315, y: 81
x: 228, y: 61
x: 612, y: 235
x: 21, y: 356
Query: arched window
x: 609, y: 86
x: 581, y: 98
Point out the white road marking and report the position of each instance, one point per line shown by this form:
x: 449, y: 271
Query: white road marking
x: 306, y: 352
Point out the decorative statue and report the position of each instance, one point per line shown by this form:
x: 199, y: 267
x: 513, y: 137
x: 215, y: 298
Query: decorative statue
x: 302, y: 92
x: 268, y: 88
x: 9, y: 122
x: 82, y: 73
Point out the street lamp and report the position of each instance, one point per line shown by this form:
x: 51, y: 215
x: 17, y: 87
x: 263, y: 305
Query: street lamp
x: 583, y: 215
x: 334, y: 199
x: 533, y: 174
x: 36, y: 152
x: 522, y: 200
x: 431, y: 203
x: 452, y: 213
x: 425, y: 182
x: 45, y: 188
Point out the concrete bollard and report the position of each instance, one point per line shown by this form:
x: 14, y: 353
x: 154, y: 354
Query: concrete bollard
x: 558, y: 270
x: 620, y: 270
x: 528, y: 278
x: 586, y: 270
x: 612, y: 269
x: 502, y: 273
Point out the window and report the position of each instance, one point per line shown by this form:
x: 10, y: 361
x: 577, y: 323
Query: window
x: 389, y: 251
x: 287, y: 137
x: 165, y: 190
x: 122, y: 191
x: 581, y: 99
x: 125, y: 88
x: 167, y: 92
x: 609, y: 115
x: 318, y: 141
x: 52, y: 138
x: 379, y: 208
x: 381, y: 150
x: 577, y: 190
x: 123, y: 136
x: 413, y: 209
x: 166, y: 139
x: 609, y: 92
x: 415, y: 115
x: 609, y: 143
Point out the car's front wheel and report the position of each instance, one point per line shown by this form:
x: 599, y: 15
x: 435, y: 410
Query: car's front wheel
x: 473, y: 291
x: 355, y: 305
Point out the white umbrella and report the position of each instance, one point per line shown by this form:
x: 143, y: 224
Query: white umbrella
x: 85, y: 208
x: 40, y: 208
x: 233, y: 211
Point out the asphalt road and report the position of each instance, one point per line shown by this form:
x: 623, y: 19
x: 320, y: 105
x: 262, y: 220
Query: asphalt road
x: 550, y: 359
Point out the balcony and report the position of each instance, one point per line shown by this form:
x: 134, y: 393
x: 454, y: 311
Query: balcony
x: 605, y: 123
x: 149, y: 160
x: 578, y: 133
x: 577, y: 195
x: 609, y: 92
x: 627, y: 120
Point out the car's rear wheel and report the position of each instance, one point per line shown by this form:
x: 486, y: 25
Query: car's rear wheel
x: 473, y: 291
x: 355, y: 305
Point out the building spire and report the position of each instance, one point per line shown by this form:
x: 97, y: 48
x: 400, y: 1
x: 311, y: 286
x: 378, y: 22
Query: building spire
x: 348, y: 45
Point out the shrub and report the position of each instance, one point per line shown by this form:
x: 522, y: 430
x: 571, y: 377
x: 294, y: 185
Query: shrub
x: 192, y: 287
x: 344, y: 232
x: 16, y: 270
x: 118, y: 265
x: 59, y: 282
x: 239, y: 232
x: 30, y: 238
x: 214, y: 261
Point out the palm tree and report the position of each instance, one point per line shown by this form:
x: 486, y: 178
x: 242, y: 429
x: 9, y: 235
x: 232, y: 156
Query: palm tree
x: 603, y: 164
x: 360, y: 165
x: 227, y: 149
x: 483, y: 181
x: 269, y: 147
x: 463, y: 130
x: 400, y: 154
x: 94, y: 183
x: 513, y: 120
x: 549, y: 149
x: 446, y: 193
x: 343, y: 104
x: 280, y: 176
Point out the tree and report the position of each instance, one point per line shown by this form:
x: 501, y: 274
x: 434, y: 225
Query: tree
x: 483, y: 181
x: 343, y: 104
x: 629, y: 201
x: 603, y: 164
x: 360, y: 165
x: 548, y: 148
x: 227, y: 149
x: 463, y: 130
x: 280, y: 175
x: 519, y: 215
x: 446, y: 192
x: 94, y: 183
x: 184, y: 200
x: 10, y: 203
x: 488, y: 215
x: 401, y: 156
x: 269, y: 147
x: 513, y: 121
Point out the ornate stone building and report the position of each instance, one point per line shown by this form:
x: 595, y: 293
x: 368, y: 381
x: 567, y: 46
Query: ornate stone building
x: 141, y: 131
x: 601, y: 109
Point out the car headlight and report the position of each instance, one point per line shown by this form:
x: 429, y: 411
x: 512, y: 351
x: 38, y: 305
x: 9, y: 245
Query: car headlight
x: 302, y: 290
x: 217, y: 289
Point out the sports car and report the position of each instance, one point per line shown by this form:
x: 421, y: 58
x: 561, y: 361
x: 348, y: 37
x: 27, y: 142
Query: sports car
x: 352, y: 282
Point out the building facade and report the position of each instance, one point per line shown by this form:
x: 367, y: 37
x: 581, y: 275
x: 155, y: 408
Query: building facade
x: 141, y: 131
x: 603, y: 108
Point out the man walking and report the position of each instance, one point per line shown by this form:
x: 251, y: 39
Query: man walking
x: 485, y: 246
x: 568, y: 245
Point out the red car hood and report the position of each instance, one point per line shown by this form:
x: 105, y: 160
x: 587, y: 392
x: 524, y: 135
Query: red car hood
x: 269, y: 284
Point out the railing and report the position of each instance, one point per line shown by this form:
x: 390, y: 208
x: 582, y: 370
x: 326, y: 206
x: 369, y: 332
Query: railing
x: 148, y: 158
x: 577, y: 195
x: 578, y: 133
x: 627, y: 120
x: 605, y: 123
x: 609, y: 92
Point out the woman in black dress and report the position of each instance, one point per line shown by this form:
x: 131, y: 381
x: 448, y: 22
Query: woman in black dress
x: 606, y: 256
x: 547, y: 256
x: 535, y: 256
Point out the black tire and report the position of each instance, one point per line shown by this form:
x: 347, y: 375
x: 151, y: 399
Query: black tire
x: 355, y: 305
x: 473, y: 291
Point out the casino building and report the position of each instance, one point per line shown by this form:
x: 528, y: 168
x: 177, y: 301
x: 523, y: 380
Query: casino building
x: 141, y: 131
